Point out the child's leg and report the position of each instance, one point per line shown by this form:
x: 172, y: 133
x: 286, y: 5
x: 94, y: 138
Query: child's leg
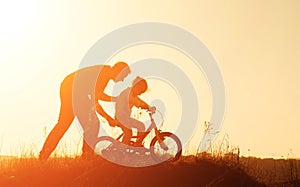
x: 127, y: 135
x: 141, y: 130
x: 129, y: 123
x: 137, y: 124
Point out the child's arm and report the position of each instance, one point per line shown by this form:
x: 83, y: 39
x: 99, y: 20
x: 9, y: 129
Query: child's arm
x: 136, y: 101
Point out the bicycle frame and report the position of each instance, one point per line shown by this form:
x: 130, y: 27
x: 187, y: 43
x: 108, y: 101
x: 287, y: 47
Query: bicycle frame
x: 152, y: 126
x: 159, y: 148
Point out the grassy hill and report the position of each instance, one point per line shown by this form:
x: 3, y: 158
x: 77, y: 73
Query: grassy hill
x: 274, y: 172
x: 188, y: 171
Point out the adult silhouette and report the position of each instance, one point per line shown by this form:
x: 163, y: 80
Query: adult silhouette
x: 80, y: 92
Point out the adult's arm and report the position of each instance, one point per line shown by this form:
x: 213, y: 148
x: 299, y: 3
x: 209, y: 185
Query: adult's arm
x: 100, y: 95
x: 104, y: 75
x: 102, y: 112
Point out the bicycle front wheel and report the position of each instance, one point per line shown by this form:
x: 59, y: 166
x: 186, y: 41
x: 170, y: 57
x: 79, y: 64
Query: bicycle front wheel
x: 169, y: 149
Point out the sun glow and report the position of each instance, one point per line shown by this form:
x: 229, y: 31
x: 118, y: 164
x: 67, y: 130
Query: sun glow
x: 17, y: 23
x: 17, y: 17
x: 256, y: 45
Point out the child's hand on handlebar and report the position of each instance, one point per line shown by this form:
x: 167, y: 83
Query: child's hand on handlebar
x: 152, y: 109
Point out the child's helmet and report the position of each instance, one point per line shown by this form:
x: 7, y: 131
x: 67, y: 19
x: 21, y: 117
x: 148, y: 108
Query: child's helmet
x: 139, y: 86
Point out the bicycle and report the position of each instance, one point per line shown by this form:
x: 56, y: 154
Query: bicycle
x: 164, y: 146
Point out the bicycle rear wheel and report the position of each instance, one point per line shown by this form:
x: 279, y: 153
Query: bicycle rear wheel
x: 169, y: 149
x: 105, y: 143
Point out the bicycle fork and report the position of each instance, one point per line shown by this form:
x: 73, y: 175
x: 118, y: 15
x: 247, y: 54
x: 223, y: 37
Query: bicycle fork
x: 160, y: 139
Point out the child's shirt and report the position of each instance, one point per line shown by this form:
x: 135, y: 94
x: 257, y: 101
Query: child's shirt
x: 124, y: 103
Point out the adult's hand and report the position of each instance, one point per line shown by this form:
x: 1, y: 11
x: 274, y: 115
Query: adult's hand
x: 113, y: 122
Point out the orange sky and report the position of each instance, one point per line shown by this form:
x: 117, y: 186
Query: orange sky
x: 254, y: 42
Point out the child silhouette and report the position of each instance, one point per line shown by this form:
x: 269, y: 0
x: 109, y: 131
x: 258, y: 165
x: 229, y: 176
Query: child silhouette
x: 124, y: 103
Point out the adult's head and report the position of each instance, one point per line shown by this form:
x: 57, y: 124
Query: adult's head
x: 139, y: 86
x: 120, y: 71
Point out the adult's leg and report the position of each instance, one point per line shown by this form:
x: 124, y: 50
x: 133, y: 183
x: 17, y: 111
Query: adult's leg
x: 90, y: 123
x: 66, y: 116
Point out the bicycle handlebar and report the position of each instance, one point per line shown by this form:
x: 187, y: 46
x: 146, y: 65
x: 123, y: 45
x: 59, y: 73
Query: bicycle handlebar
x: 162, y: 117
